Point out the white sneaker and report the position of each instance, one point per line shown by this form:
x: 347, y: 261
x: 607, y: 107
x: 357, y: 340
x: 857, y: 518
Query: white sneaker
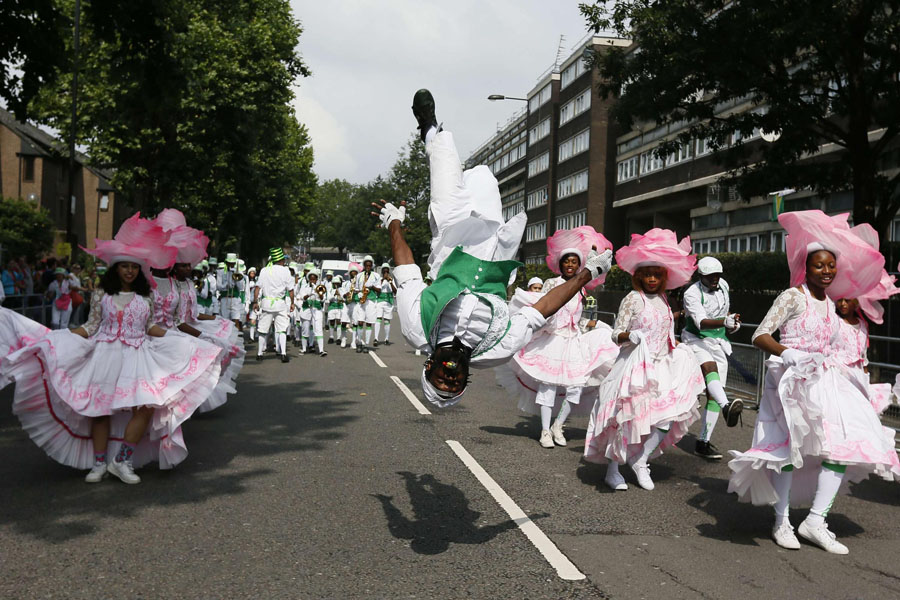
x: 343, y: 343
x: 784, y: 536
x: 546, y: 438
x: 642, y: 473
x: 557, y: 430
x: 822, y: 537
x: 124, y: 471
x: 96, y: 474
x: 615, y: 481
x: 353, y: 345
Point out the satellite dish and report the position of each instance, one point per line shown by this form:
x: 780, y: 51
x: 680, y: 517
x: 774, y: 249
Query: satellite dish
x: 770, y: 136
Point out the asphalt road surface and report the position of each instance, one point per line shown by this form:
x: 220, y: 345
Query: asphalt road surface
x: 320, y: 479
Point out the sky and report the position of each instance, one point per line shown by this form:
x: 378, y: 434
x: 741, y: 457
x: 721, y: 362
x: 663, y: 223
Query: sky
x: 368, y: 59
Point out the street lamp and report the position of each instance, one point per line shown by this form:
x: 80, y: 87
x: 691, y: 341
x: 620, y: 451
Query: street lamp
x: 495, y: 97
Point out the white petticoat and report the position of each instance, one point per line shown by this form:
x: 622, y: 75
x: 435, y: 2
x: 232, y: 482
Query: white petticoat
x: 809, y: 414
x: 640, y: 392
x: 16, y: 331
x: 225, y: 334
x: 64, y: 380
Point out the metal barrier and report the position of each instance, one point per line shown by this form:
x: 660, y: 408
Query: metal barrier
x: 38, y: 308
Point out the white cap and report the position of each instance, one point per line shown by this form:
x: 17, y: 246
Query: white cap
x: 709, y: 265
x: 231, y: 257
x: 535, y: 280
x: 436, y: 396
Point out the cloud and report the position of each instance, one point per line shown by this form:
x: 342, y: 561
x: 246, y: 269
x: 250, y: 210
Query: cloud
x: 369, y: 58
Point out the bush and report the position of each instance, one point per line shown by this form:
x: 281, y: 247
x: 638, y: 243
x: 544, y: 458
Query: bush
x: 24, y: 229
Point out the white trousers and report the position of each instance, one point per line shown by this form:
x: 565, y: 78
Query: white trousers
x: 60, y: 318
x: 280, y: 319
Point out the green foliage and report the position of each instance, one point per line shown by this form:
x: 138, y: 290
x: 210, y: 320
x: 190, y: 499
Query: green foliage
x: 744, y: 272
x: 24, y: 229
x: 188, y: 102
x: 816, y: 72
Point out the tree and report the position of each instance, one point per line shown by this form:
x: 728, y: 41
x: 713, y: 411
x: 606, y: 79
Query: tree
x: 815, y: 72
x: 24, y: 228
x: 188, y: 102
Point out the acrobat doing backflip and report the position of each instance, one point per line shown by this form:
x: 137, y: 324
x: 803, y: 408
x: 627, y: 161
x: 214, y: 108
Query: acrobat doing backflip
x: 462, y: 319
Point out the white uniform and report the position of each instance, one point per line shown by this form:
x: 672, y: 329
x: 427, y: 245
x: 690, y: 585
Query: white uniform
x: 699, y: 304
x: 366, y: 311
x: 230, y: 305
x: 210, y: 291
x: 384, y: 309
x: 275, y: 284
x: 349, y: 307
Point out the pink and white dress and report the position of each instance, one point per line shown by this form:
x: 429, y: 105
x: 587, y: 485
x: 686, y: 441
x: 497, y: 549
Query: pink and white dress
x: 221, y: 332
x: 563, y: 353
x: 64, y: 380
x: 652, y: 383
x: 851, y: 350
x: 810, y: 413
x: 16, y: 331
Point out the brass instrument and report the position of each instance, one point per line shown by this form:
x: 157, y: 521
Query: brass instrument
x: 237, y: 276
x: 365, y: 295
x: 321, y: 289
x: 348, y: 297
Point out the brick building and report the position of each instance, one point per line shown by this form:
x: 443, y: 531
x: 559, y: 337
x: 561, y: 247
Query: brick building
x: 34, y: 166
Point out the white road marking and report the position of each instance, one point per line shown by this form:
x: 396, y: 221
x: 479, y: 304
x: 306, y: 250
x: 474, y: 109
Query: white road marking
x: 410, y: 396
x: 564, y: 567
x: 377, y: 360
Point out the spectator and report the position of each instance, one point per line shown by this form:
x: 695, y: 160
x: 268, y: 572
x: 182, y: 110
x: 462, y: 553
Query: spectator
x: 60, y: 293
x: 48, y: 275
x: 13, y: 282
x: 28, y: 273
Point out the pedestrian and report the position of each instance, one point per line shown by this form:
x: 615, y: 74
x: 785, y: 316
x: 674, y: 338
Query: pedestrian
x: 96, y: 390
x: 815, y: 428
x: 462, y: 319
x: 535, y: 284
x: 708, y: 321
x: 248, y: 307
x: 384, y: 304
x: 60, y: 296
x: 649, y: 399
x: 275, y: 286
x: 551, y: 372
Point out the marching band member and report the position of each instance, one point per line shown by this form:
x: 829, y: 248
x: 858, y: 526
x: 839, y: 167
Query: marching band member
x: 351, y: 299
x: 366, y: 282
x: 317, y: 301
x: 275, y: 286
x: 815, y: 428
x: 303, y: 292
x: 335, y: 307
x: 708, y: 323
x: 649, y: 399
x: 384, y: 307
x: 230, y: 284
x: 248, y: 307
x: 329, y: 285
x: 462, y: 318
x: 212, y: 282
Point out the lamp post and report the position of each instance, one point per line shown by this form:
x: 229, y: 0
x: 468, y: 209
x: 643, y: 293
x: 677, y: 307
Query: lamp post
x: 70, y: 196
x: 495, y: 97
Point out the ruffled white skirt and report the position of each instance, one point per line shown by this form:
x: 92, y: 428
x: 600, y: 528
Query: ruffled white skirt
x: 64, y: 380
x: 16, y: 331
x: 224, y: 334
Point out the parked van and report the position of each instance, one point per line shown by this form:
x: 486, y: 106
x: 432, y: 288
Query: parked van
x: 338, y: 267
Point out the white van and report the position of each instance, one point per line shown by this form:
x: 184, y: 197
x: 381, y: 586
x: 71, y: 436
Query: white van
x: 338, y: 267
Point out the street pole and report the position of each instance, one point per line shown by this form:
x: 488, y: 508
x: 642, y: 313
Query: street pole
x: 70, y: 196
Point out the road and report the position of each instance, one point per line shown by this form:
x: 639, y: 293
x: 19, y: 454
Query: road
x: 320, y: 479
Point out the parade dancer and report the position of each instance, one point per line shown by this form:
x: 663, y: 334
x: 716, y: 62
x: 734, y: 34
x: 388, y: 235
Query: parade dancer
x: 384, y: 304
x: 276, y: 285
x: 707, y: 325
x: 335, y: 307
x: 367, y: 283
x: 351, y: 300
x: 99, y: 388
x: 649, y: 399
x: 462, y: 318
x: 248, y: 307
x: 815, y: 428
x: 550, y: 373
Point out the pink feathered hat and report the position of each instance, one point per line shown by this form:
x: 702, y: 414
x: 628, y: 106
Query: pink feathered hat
x: 859, y: 264
x: 189, y: 242
x: 579, y: 242
x: 138, y: 240
x: 659, y: 248
x: 869, y: 303
x: 354, y: 266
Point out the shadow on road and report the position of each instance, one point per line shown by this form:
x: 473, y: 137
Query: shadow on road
x: 441, y: 516
x: 525, y: 427
x: 262, y: 420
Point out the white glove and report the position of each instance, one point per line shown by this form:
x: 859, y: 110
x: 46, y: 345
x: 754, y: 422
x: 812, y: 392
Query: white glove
x: 791, y: 357
x: 390, y: 213
x: 598, y: 263
x: 636, y: 337
x: 732, y: 324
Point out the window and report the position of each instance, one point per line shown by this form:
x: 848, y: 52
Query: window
x: 575, y: 106
x: 627, y: 169
x: 539, y: 99
x: 571, y: 220
x: 536, y: 231
x: 704, y: 146
x: 510, y: 211
x: 539, y: 131
x: 537, y: 198
x: 683, y: 153
x: 535, y: 259
x: 571, y: 185
x: 571, y: 73
x: 28, y: 169
x: 710, y: 246
x: 650, y: 162
x: 737, y: 137
x: 777, y: 241
x: 104, y: 202
x: 710, y: 221
x: 509, y: 158
x: 747, y: 243
x: 575, y: 145
x: 539, y: 164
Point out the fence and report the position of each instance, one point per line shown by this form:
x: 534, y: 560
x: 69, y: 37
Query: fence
x: 38, y: 308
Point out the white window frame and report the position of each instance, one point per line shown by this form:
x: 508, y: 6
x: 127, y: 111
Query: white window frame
x: 536, y: 231
x: 537, y: 198
x: 539, y: 131
x: 650, y: 163
x: 627, y: 169
x: 575, y: 106
x: 539, y: 165
x: 578, y: 143
x: 539, y: 99
x: 571, y: 185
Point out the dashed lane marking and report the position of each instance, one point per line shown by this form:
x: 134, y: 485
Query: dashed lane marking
x: 564, y: 567
x: 377, y: 360
x: 410, y: 396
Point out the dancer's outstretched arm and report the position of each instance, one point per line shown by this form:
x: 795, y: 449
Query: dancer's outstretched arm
x: 392, y: 218
x: 556, y: 298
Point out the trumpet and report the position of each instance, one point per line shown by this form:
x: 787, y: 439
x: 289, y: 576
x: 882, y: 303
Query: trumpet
x: 321, y: 289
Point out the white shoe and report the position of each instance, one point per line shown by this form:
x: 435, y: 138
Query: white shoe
x: 615, y: 481
x: 124, y: 471
x: 557, y: 430
x: 642, y: 473
x: 96, y: 474
x: 822, y: 537
x: 546, y: 438
x: 353, y: 345
x: 784, y: 536
x: 343, y: 343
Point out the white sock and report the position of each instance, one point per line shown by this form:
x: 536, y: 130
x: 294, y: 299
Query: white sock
x: 368, y: 335
x: 321, y: 341
x: 564, y: 413
x: 261, y: 346
x: 387, y: 330
x: 717, y: 392
x: 282, y: 339
x: 303, y: 344
x: 612, y: 468
x: 252, y: 332
x: 546, y: 414
x: 377, y: 328
x: 782, y: 483
x: 653, y: 441
x: 429, y: 135
x: 710, y: 418
x: 828, y: 485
